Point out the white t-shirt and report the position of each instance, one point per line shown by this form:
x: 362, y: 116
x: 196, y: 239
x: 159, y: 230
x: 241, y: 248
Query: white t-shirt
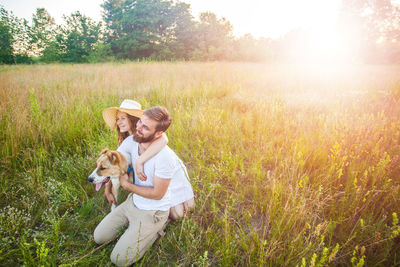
x: 181, y: 189
x: 162, y: 165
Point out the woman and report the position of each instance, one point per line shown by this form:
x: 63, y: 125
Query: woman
x: 124, y: 118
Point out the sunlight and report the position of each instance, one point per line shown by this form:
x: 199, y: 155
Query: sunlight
x: 309, y: 30
x: 328, y: 45
x: 266, y: 18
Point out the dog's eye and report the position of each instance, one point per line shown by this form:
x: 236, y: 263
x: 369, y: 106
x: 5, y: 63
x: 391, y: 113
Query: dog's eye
x: 102, y: 169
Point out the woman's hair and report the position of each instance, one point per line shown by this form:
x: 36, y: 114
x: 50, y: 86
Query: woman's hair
x: 132, y: 123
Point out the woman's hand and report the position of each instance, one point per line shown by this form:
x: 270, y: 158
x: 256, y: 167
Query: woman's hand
x: 139, y: 171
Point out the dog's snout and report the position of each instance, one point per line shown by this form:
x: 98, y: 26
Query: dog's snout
x: 90, y: 179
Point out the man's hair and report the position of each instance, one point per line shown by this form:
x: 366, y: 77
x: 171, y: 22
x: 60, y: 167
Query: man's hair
x: 160, y: 115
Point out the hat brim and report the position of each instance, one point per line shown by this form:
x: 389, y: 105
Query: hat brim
x: 110, y: 115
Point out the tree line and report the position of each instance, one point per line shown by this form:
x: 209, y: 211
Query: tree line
x: 166, y: 30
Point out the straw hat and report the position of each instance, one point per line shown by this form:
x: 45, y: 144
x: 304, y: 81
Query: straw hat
x: 128, y: 106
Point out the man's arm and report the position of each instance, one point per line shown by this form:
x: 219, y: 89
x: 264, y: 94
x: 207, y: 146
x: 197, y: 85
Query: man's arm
x: 109, y: 195
x: 157, y: 191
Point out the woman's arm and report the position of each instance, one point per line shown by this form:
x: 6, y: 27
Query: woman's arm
x: 153, y: 149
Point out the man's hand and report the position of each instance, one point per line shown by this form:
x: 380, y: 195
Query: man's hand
x: 110, y: 197
x: 139, y: 171
x: 124, y: 181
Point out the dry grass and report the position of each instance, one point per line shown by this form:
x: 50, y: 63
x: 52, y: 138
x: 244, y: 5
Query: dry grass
x: 291, y: 165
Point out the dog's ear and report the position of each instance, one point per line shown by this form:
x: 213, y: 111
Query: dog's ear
x: 104, y: 151
x: 119, y: 159
x: 114, y: 157
x: 109, y: 154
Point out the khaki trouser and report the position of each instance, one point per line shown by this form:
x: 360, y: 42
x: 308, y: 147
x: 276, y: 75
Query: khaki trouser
x: 144, y: 228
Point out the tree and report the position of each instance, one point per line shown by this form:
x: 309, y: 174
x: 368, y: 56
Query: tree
x: 156, y: 29
x: 215, y: 37
x: 100, y: 53
x: 373, y: 26
x: 21, y: 46
x: 6, y: 38
x: 185, y: 36
x: 138, y: 28
x: 42, y: 32
x: 78, y: 38
x: 14, y: 39
x: 52, y: 52
x: 247, y: 48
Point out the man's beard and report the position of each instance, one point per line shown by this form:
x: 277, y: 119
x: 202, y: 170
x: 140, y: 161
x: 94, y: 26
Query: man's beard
x: 141, y: 139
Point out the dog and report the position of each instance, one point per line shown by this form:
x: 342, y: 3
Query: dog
x: 110, y: 166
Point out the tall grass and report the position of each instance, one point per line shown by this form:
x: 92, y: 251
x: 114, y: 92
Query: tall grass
x: 291, y: 165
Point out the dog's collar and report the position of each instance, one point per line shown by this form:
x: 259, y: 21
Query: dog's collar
x: 130, y: 170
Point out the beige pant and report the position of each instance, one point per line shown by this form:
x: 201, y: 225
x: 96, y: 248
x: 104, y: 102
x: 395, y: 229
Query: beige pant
x: 144, y: 228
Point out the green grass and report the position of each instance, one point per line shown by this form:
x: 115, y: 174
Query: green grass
x: 291, y: 165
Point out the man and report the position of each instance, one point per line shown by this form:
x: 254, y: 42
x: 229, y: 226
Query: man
x: 147, y: 208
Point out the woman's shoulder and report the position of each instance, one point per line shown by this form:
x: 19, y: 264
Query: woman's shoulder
x: 128, y: 143
x: 129, y: 140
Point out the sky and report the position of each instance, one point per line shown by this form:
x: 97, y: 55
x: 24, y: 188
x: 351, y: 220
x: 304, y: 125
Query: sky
x: 261, y: 18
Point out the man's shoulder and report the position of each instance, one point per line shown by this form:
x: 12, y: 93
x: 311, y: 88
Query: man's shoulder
x: 165, y: 163
x: 166, y: 154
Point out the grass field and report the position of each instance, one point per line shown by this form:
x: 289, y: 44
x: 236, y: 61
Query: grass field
x: 291, y: 165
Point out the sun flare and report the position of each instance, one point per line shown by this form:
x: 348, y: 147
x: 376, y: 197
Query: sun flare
x: 328, y: 45
x: 309, y: 30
